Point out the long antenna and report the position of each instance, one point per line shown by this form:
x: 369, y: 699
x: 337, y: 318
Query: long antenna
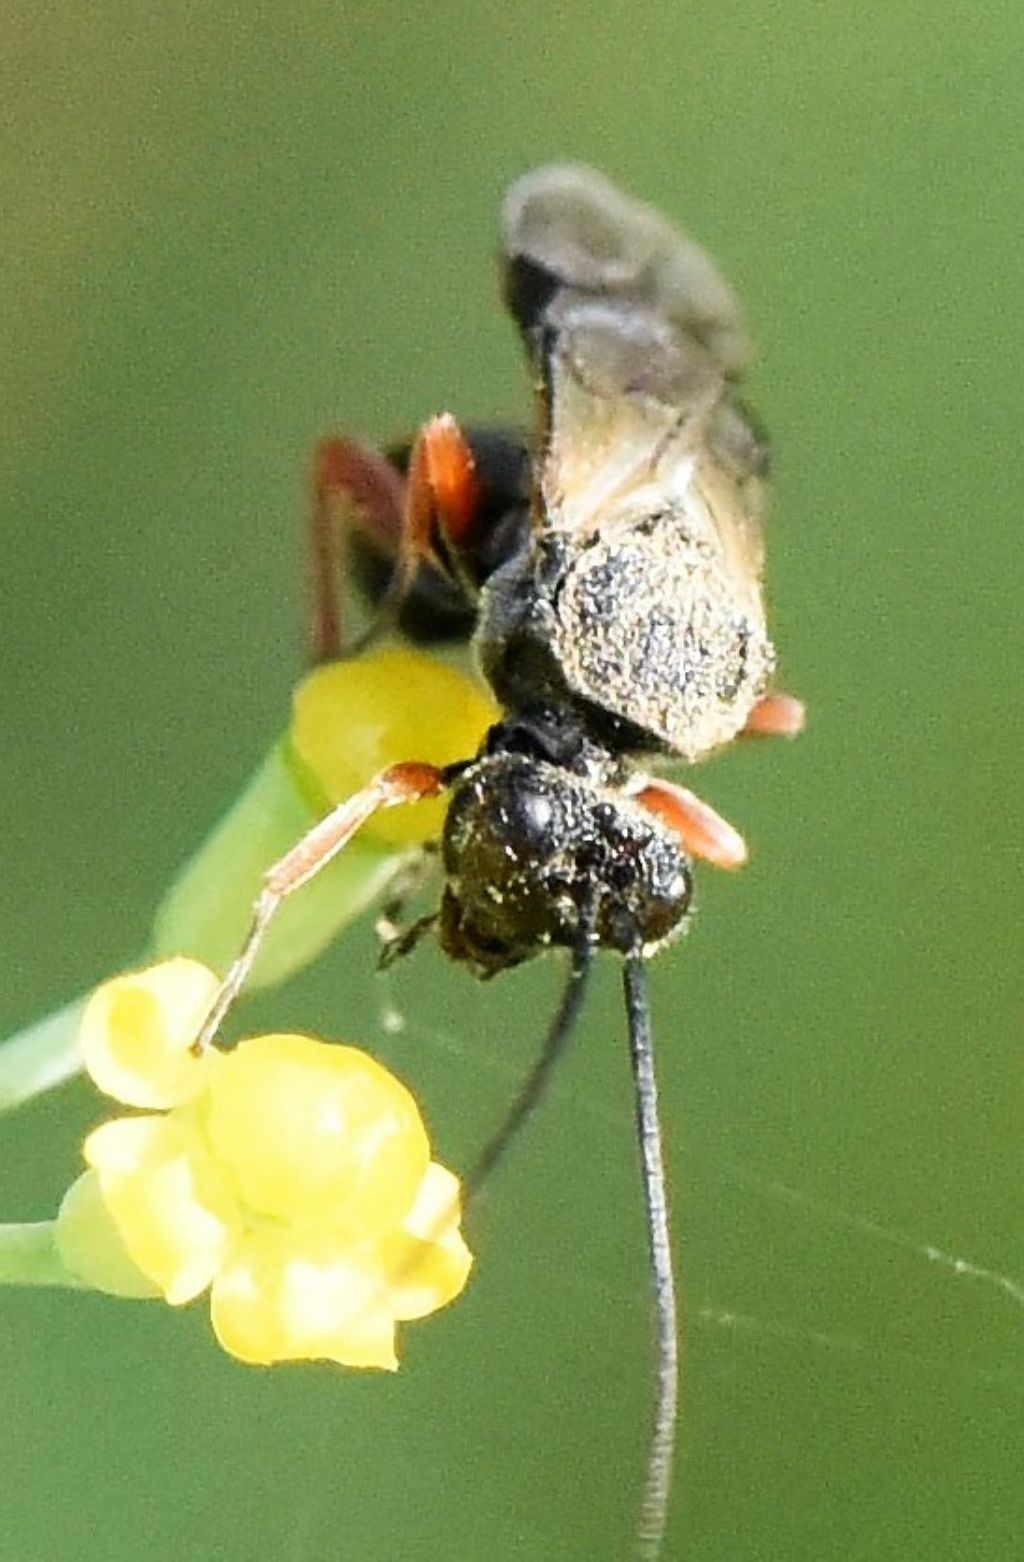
x: 533, y: 1087
x: 657, y: 1490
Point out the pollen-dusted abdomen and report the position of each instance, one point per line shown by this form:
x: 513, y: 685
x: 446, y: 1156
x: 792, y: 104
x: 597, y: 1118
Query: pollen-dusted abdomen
x: 647, y: 623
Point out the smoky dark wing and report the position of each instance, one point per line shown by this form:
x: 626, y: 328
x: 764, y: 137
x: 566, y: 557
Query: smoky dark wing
x: 567, y: 230
x: 633, y: 334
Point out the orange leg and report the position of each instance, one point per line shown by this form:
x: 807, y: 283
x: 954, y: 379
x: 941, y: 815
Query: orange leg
x: 349, y: 480
x: 776, y: 716
x: 407, y: 783
x: 441, y: 499
x: 443, y: 490
x: 702, y: 831
x: 415, y: 519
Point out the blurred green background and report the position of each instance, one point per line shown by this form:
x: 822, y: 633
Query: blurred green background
x: 229, y: 228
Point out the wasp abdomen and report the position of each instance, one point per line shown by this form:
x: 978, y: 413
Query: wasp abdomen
x: 645, y: 631
x: 648, y: 624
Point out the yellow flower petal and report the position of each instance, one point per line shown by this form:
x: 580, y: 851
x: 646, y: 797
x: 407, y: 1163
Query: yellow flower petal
x: 291, y: 1296
x: 172, y: 1204
x: 429, y: 1263
x: 351, y: 719
x: 91, y: 1246
x: 137, y: 1029
x: 312, y: 1131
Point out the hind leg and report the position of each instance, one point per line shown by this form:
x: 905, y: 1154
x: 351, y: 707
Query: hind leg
x: 776, y: 716
x: 411, y: 521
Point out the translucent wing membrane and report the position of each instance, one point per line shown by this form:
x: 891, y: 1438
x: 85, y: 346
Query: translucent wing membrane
x: 649, y: 488
x: 632, y: 332
x: 571, y: 223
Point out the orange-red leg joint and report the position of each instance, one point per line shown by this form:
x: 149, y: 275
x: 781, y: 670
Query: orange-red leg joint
x: 702, y: 831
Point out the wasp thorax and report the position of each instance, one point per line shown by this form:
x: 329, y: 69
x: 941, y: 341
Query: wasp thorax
x: 532, y: 850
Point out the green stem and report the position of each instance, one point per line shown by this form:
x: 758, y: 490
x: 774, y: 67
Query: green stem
x: 28, y: 1256
x: 207, y: 909
x: 40, y: 1056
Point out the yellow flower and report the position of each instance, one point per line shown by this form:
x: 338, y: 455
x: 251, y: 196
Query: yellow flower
x: 351, y: 719
x: 289, y: 1176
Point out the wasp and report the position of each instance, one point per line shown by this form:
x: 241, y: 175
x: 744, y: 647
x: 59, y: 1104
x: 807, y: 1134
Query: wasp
x: 609, y: 573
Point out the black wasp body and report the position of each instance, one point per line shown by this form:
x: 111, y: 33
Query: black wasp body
x: 534, y: 845
x: 609, y: 572
x: 611, y: 577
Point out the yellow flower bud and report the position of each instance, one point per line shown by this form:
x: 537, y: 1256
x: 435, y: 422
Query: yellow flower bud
x: 172, y: 1203
x: 351, y: 719
x: 291, y: 1176
x: 289, y: 1296
x: 137, y: 1030
x: 311, y: 1131
x: 428, y: 1262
